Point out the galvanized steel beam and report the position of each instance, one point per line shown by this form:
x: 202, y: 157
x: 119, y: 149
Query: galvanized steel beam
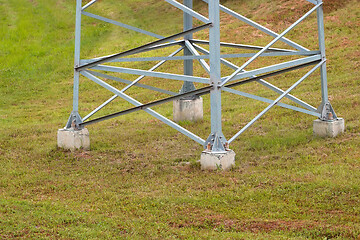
x: 199, y: 92
x: 241, y: 74
x: 242, y: 46
x: 266, y: 100
x: 259, y: 27
x: 88, y: 4
x: 196, y: 56
x: 139, y: 49
x: 263, y: 82
x: 312, y: 1
x: 188, y: 63
x: 117, y: 79
x: 128, y: 86
x: 188, y: 10
x: 321, y: 36
x: 275, y: 102
x: 75, y: 116
x: 122, y: 25
x: 202, y: 62
x: 151, y: 74
x: 216, y: 141
x: 137, y: 103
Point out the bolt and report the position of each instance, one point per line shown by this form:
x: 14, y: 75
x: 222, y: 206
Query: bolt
x: 73, y: 124
x: 330, y: 116
x: 212, y: 140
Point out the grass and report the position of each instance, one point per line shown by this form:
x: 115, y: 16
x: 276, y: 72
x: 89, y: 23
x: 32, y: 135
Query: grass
x: 141, y: 179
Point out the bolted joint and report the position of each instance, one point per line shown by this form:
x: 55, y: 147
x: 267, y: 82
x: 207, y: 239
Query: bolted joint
x: 327, y: 112
x: 216, y: 143
x: 74, y: 121
x: 76, y: 66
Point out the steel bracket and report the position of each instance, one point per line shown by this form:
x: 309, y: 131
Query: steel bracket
x: 327, y: 113
x: 74, y: 121
x: 216, y: 143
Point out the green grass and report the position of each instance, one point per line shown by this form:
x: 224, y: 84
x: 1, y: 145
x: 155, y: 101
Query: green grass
x: 141, y: 180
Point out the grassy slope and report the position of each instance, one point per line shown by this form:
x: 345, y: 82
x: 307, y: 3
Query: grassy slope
x: 287, y: 183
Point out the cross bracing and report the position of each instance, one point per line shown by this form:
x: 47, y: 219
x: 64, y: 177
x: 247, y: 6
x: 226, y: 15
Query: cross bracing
x: 211, y: 60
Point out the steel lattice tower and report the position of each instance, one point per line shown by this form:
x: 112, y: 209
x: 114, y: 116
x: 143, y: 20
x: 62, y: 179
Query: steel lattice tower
x: 216, y: 143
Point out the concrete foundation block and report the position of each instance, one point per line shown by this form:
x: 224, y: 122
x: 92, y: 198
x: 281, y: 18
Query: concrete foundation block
x: 328, y: 129
x: 73, y: 139
x: 214, y: 161
x: 188, y: 110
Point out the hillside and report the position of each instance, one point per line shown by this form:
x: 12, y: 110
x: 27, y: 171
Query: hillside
x: 142, y: 179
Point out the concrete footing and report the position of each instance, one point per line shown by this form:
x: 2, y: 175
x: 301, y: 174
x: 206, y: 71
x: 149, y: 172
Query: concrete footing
x: 73, y: 139
x: 188, y: 110
x: 328, y: 128
x: 214, y: 161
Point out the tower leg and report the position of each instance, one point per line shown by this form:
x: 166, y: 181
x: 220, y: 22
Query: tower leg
x: 190, y: 108
x: 72, y: 136
x: 217, y: 154
x: 328, y: 125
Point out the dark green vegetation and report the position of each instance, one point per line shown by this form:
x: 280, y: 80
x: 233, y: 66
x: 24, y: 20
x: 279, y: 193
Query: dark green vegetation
x: 136, y: 183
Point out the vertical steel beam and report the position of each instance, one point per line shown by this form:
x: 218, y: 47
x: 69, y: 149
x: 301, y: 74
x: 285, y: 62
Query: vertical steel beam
x: 326, y: 110
x: 77, y: 55
x: 75, y: 117
x: 216, y: 140
x: 321, y: 35
x: 188, y: 64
